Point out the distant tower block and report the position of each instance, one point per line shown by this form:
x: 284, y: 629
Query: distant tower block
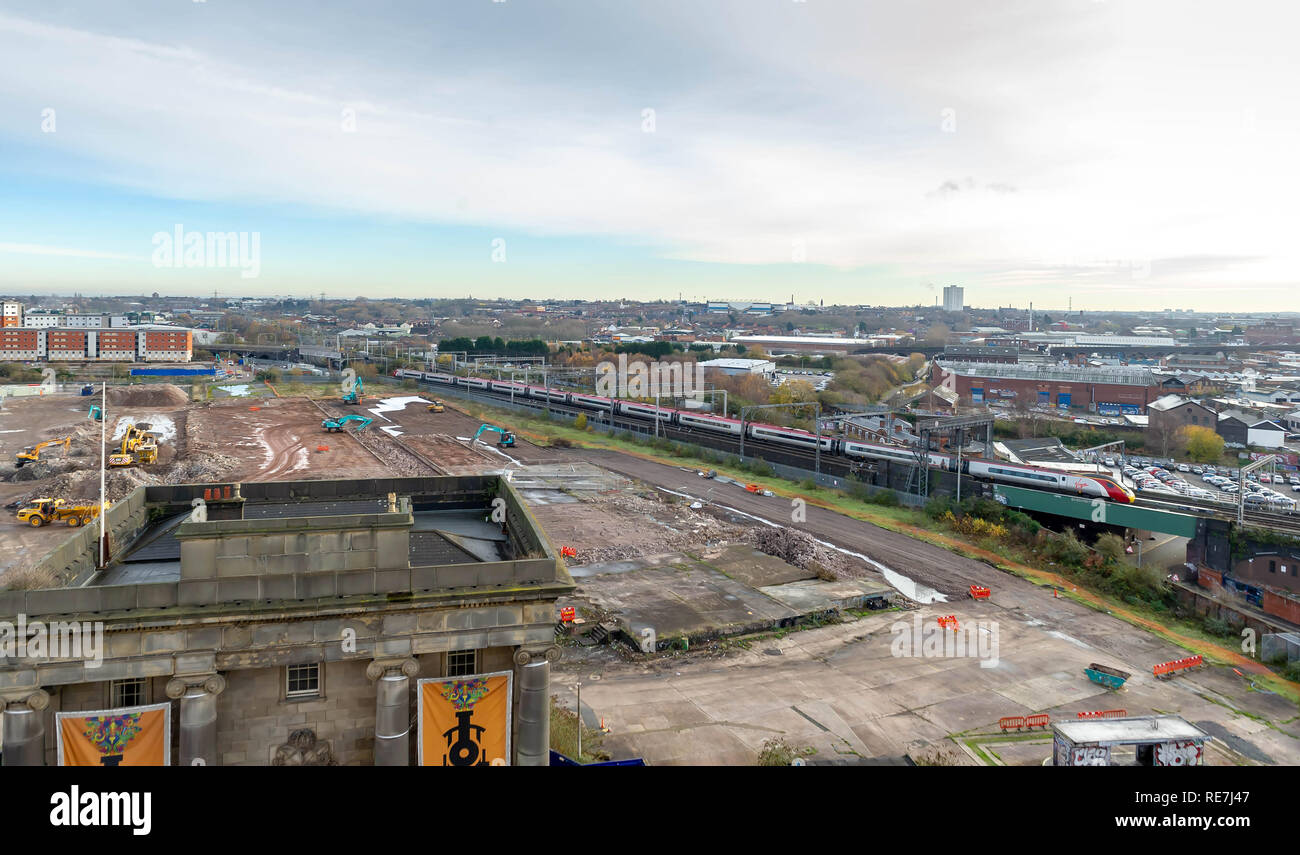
x: 952, y: 298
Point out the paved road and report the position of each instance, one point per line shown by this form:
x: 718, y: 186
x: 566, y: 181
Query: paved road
x: 931, y: 566
x: 842, y: 689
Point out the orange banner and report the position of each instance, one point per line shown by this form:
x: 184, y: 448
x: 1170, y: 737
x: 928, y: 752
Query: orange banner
x: 134, y: 736
x: 465, y: 721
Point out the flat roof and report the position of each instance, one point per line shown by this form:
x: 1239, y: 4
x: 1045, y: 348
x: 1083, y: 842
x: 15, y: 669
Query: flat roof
x: 1160, y: 728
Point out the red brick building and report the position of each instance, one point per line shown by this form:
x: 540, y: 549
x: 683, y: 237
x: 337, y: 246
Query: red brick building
x: 1106, y: 390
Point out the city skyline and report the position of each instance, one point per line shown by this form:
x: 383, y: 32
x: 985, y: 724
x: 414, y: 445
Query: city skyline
x: 856, y: 154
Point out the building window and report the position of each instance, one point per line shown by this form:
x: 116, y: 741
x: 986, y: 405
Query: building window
x: 128, y: 693
x: 302, y: 681
x: 1272, y: 566
x: 462, y: 663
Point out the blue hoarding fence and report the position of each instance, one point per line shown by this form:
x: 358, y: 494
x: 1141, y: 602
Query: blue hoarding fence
x: 173, y: 371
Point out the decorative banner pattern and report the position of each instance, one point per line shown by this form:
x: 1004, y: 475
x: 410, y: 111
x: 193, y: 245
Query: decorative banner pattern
x: 130, y: 736
x: 466, y: 721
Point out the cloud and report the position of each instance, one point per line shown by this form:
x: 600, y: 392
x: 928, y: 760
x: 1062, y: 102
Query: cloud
x: 65, y: 252
x: 1098, y: 137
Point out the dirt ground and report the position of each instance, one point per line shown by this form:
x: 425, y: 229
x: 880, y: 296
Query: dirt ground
x: 225, y: 439
x: 277, y: 439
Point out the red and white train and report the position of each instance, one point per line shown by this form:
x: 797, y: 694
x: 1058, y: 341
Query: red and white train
x: 1093, y: 486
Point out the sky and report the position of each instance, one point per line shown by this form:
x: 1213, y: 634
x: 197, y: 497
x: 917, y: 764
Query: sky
x: 1105, y: 154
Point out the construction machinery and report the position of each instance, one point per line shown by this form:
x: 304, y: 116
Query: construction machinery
x: 354, y: 397
x: 507, y: 439
x: 96, y: 413
x: 337, y: 425
x: 436, y: 407
x: 33, y: 454
x: 44, y: 511
x: 138, y: 446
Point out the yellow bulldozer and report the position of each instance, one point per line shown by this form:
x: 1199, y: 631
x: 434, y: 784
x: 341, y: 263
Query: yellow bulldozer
x: 45, y: 511
x: 138, y: 446
x: 33, y: 454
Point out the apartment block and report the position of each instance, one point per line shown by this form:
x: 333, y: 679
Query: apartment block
x: 61, y: 344
x: 11, y: 314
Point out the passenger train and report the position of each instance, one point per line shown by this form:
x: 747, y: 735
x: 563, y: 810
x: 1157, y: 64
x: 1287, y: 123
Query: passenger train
x: 1093, y: 486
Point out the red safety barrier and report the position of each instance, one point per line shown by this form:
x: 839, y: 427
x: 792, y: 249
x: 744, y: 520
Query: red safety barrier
x: 1040, y: 720
x: 948, y: 622
x: 1016, y: 721
x: 1165, y: 669
x: 1104, y: 714
x: 567, y: 614
x: 322, y: 448
x: 979, y: 593
x: 568, y: 552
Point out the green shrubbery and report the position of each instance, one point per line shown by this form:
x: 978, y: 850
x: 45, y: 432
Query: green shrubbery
x: 1102, y: 567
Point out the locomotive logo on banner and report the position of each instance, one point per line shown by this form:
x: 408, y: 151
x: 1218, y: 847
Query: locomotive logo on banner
x: 132, y: 736
x: 466, y: 721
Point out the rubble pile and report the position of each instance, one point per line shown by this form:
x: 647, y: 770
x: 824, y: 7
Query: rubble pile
x: 801, y: 550
x: 672, y: 527
x: 77, y: 482
x: 151, y: 395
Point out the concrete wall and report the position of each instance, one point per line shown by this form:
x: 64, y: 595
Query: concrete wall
x: 233, y: 548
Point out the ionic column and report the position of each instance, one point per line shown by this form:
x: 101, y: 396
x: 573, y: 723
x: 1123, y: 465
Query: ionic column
x: 198, y: 697
x: 392, y: 709
x: 24, y: 727
x: 533, y: 734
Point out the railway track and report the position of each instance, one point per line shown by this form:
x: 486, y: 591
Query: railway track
x: 368, y: 443
x: 834, y: 465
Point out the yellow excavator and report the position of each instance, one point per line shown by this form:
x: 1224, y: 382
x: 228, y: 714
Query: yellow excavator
x: 33, y: 454
x: 138, y: 446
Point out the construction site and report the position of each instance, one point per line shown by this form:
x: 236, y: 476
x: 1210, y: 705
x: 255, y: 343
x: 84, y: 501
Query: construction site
x: 707, y: 618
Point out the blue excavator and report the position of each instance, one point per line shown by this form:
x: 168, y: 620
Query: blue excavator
x: 507, y: 439
x: 354, y: 397
x: 337, y: 425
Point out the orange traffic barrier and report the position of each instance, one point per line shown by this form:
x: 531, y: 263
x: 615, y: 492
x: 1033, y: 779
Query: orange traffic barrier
x: 1040, y: 720
x: 1103, y: 714
x: 948, y: 622
x: 568, y: 552
x: 567, y: 614
x: 978, y: 592
x: 1016, y: 721
x: 322, y: 448
x: 1165, y: 669
x: 254, y: 409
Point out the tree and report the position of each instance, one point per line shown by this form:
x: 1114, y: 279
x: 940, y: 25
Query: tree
x: 581, y: 421
x: 1203, y: 444
x: 937, y: 334
x: 794, y: 392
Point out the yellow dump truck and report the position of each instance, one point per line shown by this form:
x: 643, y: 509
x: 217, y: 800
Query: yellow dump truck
x: 45, y: 511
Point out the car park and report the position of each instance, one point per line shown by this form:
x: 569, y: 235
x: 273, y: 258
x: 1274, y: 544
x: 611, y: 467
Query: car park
x: 1183, y: 467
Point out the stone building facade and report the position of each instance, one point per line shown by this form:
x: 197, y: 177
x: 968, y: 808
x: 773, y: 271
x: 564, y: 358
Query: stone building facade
x: 261, y: 611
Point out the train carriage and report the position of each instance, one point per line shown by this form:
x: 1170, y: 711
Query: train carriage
x: 791, y: 437
x: 716, y: 424
x: 645, y: 411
